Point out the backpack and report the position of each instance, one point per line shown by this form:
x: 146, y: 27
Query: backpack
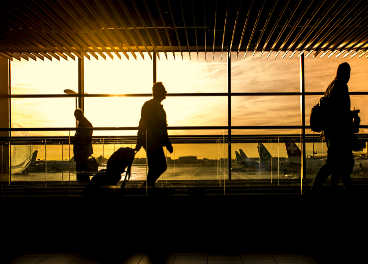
x: 319, y: 115
x: 120, y: 161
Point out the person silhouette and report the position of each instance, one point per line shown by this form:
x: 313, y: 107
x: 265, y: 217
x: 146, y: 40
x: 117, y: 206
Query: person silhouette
x: 338, y: 135
x: 82, y: 145
x: 152, y: 134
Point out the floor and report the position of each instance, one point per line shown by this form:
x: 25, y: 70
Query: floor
x: 175, y: 258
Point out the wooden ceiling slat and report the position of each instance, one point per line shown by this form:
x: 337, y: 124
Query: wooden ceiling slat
x: 264, y: 28
x: 324, y: 53
x: 14, y: 56
x: 115, y: 42
x: 78, y: 54
x: 135, y: 28
x: 43, y: 32
x: 195, y: 29
x: 82, y: 25
x: 124, y: 26
x: 223, y: 34
x: 27, y: 35
x: 35, y: 22
x: 205, y: 29
x: 122, y: 39
x: 318, y: 36
x: 103, y: 46
x: 93, y: 54
x: 17, y: 42
x: 274, y: 27
x: 85, y: 54
x: 116, y: 28
x: 361, y: 55
x: 68, y: 35
x: 155, y: 27
x: 296, y: 24
x: 309, y: 45
x: 254, y: 28
x: 331, y: 54
x: 214, y: 33
x: 37, y: 55
x: 62, y: 55
x: 145, y: 29
x: 341, y: 42
x: 176, y: 30
x: 69, y: 54
x: 53, y: 55
x: 235, y: 23
x: 6, y: 56
x: 185, y: 27
x: 165, y: 27
x: 80, y: 34
x: 296, y: 6
x: 21, y: 55
x: 45, y: 55
x: 28, y: 54
x: 339, y: 37
x: 244, y: 27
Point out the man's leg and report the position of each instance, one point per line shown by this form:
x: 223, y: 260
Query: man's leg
x: 346, y: 171
x: 321, y: 177
x: 156, y: 166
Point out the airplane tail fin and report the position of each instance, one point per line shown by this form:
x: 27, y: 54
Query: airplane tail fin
x: 263, y: 153
x: 292, y: 150
x: 34, y: 156
x: 243, y: 155
x: 238, y: 157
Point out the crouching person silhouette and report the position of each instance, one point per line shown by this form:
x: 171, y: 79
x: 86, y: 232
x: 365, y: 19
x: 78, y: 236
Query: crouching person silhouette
x: 82, y: 145
x: 338, y: 134
x: 152, y: 134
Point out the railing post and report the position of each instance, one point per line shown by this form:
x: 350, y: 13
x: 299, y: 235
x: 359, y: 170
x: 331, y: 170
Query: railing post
x: 229, y: 111
x: 302, y: 113
x: 81, y: 83
x: 154, y: 69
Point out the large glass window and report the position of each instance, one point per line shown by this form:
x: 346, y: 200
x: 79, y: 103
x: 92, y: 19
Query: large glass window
x: 44, y: 77
x: 319, y: 73
x: 262, y: 75
x: 193, y: 75
x: 118, y: 76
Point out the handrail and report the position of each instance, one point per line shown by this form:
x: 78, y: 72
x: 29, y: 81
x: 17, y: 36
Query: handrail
x: 169, y: 128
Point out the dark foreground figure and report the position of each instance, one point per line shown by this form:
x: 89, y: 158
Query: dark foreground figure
x: 82, y: 145
x: 152, y: 134
x: 339, y: 135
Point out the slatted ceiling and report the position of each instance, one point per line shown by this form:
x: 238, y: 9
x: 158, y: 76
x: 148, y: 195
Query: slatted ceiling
x: 67, y: 29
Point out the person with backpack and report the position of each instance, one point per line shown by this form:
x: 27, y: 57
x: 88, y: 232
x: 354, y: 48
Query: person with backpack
x: 82, y: 142
x: 152, y: 134
x: 338, y: 132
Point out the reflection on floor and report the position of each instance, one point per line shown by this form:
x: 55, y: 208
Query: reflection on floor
x: 172, y: 258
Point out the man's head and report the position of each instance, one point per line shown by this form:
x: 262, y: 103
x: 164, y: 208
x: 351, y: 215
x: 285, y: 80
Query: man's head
x: 78, y: 113
x: 159, y: 91
x: 343, y: 72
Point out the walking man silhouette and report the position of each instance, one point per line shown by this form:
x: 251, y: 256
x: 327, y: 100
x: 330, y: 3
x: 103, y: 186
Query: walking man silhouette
x: 82, y: 145
x: 338, y: 134
x: 152, y: 134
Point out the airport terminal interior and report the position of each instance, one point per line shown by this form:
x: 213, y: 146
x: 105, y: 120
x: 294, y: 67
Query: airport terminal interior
x: 241, y: 79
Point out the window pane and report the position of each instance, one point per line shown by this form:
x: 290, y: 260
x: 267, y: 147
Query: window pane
x: 43, y: 112
x: 118, y: 76
x: 357, y: 101
x: 265, y: 111
x: 260, y: 75
x: 319, y: 73
x: 43, y: 77
x: 193, y: 75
